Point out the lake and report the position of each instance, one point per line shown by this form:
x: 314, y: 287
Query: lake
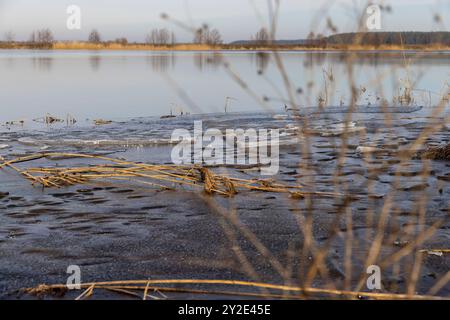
x: 120, y: 84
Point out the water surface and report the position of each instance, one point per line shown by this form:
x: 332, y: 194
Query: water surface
x: 114, y: 84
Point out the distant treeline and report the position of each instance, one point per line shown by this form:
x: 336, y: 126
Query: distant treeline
x: 389, y: 38
x: 361, y: 38
x: 211, y: 40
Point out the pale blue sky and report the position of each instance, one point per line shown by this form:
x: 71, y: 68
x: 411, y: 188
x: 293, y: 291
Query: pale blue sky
x: 237, y: 19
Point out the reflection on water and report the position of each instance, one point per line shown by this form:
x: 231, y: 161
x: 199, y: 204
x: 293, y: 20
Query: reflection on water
x: 262, y: 60
x: 111, y: 84
x: 95, y: 62
x: 42, y: 63
x: 395, y: 58
x: 207, y: 60
x: 162, y: 62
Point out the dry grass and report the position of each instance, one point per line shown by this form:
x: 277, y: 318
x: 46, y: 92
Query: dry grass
x: 139, y: 46
x: 161, y: 176
x: 204, y: 47
x: 436, y: 153
x: 80, y: 45
x: 140, y: 288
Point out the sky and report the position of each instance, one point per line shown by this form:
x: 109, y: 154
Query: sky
x: 236, y: 19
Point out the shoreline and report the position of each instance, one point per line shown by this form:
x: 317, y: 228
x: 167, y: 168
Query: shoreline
x: 61, y: 46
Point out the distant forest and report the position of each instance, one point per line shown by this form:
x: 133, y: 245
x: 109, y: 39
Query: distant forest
x: 363, y: 38
x: 205, y: 38
x: 390, y: 38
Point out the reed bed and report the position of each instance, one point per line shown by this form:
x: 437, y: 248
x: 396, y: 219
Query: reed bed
x: 166, y: 177
x: 80, y: 45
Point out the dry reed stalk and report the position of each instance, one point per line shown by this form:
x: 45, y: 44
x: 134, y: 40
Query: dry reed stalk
x: 194, y: 176
x: 87, y: 293
x: 435, y: 250
x: 145, y: 285
x: 436, y: 153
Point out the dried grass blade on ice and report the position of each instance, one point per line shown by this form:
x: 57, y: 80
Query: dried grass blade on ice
x: 279, y: 291
x: 161, y: 176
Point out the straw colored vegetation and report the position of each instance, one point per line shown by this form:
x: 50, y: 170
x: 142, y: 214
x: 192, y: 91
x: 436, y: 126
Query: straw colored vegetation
x: 144, y: 289
x: 132, y: 46
x: 161, y: 176
x: 80, y: 45
x: 206, y: 47
x: 436, y: 153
